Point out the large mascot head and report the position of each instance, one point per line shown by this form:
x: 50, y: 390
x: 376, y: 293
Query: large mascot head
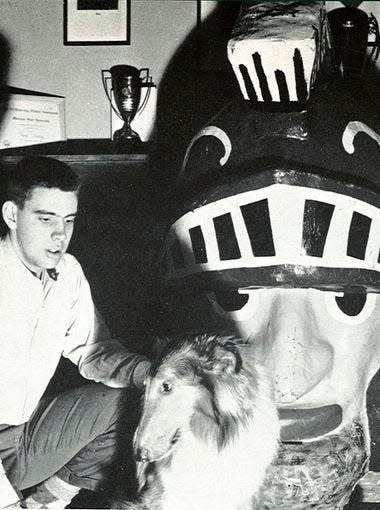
x: 279, y: 227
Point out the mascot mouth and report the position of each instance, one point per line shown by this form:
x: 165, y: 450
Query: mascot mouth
x: 302, y: 424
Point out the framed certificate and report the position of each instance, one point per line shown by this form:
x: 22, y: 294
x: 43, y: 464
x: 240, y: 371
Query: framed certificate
x: 31, y: 120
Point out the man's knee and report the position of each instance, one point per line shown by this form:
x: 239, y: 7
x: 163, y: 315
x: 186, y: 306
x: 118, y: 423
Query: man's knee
x: 106, y: 404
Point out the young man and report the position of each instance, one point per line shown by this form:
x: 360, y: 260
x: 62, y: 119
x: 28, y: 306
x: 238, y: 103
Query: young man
x: 46, y: 311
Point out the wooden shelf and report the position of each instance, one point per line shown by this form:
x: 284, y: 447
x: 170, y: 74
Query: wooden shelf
x: 84, y: 155
x: 79, y: 146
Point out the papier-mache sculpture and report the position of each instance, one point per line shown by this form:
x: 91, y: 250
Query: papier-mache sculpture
x: 279, y: 227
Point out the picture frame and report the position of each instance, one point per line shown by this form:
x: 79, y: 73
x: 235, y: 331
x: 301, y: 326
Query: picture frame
x: 96, y: 22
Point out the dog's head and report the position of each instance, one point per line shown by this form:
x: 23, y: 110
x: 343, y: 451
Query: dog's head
x: 194, y: 388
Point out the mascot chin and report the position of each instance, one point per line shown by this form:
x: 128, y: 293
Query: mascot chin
x: 276, y: 239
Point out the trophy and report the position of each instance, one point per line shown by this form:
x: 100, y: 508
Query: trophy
x: 126, y: 84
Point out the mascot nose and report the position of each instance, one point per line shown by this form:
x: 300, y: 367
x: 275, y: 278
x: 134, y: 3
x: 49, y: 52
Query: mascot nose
x: 298, y: 356
x: 142, y: 454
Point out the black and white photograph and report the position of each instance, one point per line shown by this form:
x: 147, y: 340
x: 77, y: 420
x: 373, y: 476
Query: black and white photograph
x: 190, y: 254
x: 97, y: 22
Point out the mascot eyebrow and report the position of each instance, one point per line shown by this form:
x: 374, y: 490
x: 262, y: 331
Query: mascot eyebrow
x: 220, y: 135
x: 351, y: 130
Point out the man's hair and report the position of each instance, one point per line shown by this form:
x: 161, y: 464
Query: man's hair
x: 37, y: 171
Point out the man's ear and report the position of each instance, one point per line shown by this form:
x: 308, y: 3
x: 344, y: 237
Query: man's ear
x: 9, y: 211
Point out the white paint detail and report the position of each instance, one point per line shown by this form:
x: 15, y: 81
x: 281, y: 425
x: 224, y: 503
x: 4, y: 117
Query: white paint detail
x: 286, y: 207
x: 275, y: 56
x: 352, y: 129
x: 210, y: 131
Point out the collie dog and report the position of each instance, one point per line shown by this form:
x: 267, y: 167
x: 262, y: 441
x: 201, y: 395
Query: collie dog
x: 208, y: 429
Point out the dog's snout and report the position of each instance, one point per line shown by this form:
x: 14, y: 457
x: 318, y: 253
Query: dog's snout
x: 142, y: 454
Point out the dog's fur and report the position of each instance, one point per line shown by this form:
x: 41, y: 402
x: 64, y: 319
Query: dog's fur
x: 208, y: 430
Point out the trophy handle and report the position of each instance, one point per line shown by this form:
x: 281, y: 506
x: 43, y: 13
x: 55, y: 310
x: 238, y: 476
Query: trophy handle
x: 146, y: 71
x: 104, y: 80
x: 146, y: 81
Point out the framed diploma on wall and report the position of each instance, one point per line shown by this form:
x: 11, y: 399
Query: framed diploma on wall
x: 87, y: 22
x: 32, y: 119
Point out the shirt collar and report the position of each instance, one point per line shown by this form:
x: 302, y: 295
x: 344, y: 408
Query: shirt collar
x: 17, y: 267
x: 53, y: 273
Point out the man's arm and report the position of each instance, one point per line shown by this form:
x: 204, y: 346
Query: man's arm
x: 90, y: 346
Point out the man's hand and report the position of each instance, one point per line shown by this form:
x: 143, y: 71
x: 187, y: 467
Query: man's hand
x: 140, y: 373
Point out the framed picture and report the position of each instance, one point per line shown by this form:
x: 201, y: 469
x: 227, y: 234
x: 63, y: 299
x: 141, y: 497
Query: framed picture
x: 87, y: 22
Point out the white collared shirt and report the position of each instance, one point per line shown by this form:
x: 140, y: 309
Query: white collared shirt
x: 41, y: 320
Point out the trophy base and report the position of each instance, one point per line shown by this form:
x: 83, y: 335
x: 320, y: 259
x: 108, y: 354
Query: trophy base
x: 127, y: 142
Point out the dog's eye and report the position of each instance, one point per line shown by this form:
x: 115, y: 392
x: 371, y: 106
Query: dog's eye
x: 166, y: 387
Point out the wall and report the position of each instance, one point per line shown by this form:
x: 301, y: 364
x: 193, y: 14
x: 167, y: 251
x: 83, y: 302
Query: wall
x: 40, y: 61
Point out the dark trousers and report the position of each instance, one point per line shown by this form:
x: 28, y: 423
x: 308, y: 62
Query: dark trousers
x: 73, y: 435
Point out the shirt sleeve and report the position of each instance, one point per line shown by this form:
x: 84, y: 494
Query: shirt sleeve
x: 8, y: 495
x: 90, y: 346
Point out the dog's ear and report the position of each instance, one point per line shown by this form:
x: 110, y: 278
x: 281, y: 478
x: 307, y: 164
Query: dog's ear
x: 227, y: 356
x: 226, y: 360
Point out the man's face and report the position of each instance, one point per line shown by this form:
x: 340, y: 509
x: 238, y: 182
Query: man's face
x: 42, y: 229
